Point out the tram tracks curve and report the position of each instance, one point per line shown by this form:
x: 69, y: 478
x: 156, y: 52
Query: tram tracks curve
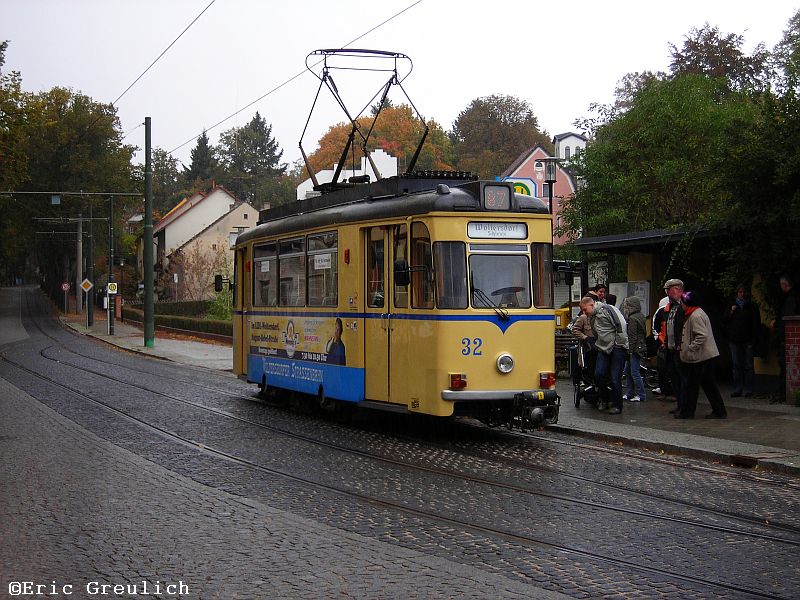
x: 756, y: 521
x: 525, y: 540
x: 472, y: 478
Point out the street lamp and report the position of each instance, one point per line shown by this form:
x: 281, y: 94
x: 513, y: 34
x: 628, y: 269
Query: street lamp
x: 550, y: 165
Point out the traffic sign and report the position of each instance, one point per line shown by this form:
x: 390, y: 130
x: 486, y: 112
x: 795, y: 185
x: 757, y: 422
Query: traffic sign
x: 86, y: 285
x: 65, y: 286
x: 112, y: 287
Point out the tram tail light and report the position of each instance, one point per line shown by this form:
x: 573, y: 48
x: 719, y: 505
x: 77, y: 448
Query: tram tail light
x: 458, y: 381
x: 547, y: 379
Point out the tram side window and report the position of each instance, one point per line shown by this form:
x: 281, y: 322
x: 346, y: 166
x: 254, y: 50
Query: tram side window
x: 375, y: 275
x: 265, y: 275
x: 400, y: 254
x: 292, y: 267
x: 421, y: 256
x: 542, y: 262
x: 323, y: 269
x: 451, y: 274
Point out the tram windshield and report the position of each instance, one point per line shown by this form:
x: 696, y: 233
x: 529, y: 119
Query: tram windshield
x: 500, y: 275
x: 500, y: 280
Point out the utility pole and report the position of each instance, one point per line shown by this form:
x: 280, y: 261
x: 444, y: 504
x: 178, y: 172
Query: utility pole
x: 149, y: 319
x: 90, y: 273
x: 79, y: 267
x: 111, y: 298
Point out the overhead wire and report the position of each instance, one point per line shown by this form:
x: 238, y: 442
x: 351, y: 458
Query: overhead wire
x: 127, y: 89
x: 135, y: 81
x: 288, y: 81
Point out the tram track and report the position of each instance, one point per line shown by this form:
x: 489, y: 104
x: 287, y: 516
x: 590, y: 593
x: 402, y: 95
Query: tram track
x: 751, y: 520
x: 478, y: 454
x: 516, y: 538
x: 474, y: 479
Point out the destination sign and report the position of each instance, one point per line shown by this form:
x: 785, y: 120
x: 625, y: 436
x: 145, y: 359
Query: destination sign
x: 497, y: 231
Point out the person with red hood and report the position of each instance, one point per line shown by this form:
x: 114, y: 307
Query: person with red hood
x: 698, y: 349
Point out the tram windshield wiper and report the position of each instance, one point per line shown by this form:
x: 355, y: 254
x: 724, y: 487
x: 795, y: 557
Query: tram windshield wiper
x: 488, y: 302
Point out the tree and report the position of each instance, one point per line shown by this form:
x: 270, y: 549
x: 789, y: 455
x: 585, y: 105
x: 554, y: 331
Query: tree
x: 674, y: 157
x: 167, y: 182
x: 707, y: 51
x: 787, y: 56
x: 250, y: 160
x: 196, y: 266
x: 493, y: 131
x: 72, y: 143
x: 203, y: 167
x: 13, y: 117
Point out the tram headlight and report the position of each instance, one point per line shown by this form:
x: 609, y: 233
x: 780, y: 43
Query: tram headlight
x: 505, y: 363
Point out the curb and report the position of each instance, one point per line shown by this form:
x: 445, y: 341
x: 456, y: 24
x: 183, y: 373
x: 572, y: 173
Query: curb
x: 746, y: 461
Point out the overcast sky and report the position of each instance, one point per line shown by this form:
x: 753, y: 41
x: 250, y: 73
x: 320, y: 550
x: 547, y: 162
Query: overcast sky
x: 559, y: 56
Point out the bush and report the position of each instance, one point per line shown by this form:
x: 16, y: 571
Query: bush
x: 215, y: 326
x: 221, y: 307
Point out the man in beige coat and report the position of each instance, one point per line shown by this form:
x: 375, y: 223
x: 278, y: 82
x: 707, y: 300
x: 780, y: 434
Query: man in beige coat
x: 698, y: 349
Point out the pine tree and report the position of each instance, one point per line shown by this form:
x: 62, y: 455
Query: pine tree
x: 204, y: 163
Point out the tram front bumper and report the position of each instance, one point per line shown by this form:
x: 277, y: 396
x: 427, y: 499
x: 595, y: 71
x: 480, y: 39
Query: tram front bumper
x: 531, y: 397
x: 526, y: 409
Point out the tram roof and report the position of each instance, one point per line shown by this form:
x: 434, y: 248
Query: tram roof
x: 385, y: 199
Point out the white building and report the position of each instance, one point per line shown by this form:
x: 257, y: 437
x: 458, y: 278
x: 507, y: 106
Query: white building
x: 191, y: 216
x: 569, y: 145
x: 385, y: 163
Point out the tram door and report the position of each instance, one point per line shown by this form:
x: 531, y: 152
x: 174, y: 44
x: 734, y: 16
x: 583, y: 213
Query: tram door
x: 377, y: 331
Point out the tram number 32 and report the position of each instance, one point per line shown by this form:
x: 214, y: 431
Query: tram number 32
x: 471, y: 347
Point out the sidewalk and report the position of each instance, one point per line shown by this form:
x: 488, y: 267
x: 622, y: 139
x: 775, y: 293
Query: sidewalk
x: 195, y: 352
x: 755, y: 434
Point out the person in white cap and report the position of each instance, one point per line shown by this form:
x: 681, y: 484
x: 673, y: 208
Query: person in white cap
x: 671, y: 330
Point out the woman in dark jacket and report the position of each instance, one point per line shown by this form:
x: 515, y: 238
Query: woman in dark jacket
x: 742, y: 322
x: 637, y: 347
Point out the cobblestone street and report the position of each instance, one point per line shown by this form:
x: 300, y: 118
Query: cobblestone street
x: 122, y: 470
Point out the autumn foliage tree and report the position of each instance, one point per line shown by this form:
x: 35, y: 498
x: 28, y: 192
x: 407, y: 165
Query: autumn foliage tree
x: 397, y: 131
x: 493, y: 131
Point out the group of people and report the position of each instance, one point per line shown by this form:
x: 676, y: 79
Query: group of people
x: 616, y: 341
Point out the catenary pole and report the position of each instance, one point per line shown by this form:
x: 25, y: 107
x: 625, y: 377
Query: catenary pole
x: 111, y: 299
x: 90, y: 270
x: 149, y: 322
x: 79, y: 267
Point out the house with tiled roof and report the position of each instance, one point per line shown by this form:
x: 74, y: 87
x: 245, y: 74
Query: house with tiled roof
x: 210, y: 252
x: 188, y: 218
x: 527, y: 174
x: 200, y: 216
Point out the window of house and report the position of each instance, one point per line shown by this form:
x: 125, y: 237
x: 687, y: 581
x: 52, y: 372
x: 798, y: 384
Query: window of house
x: 422, y: 267
x: 292, y: 269
x: 245, y: 215
x: 322, y: 267
x: 265, y: 275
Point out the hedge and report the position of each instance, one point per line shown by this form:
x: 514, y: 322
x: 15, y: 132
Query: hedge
x: 191, y: 308
x: 179, y: 322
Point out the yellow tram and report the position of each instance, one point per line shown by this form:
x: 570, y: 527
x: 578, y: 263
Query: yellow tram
x: 428, y: 293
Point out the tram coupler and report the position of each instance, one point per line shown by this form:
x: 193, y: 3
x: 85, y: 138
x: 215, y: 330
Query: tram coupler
x: 535, y: 408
